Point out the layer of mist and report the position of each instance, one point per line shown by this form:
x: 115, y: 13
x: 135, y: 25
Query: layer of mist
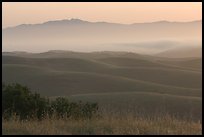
x: 84, y: 36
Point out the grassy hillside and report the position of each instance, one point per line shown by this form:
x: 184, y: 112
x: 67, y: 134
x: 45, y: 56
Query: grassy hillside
x: 146, y: 103
x: 137, y: 69
x: 50, y: 82
x: 123, y: 81
x: 193, y: 63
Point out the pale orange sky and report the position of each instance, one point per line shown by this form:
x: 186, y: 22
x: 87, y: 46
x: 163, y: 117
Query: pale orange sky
x: 117, y: 12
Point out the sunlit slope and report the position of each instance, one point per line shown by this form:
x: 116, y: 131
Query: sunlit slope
x: 136, y: 69
x: 57, y: 63
x: 193, y: 63
x: 117, y: 58
x: 172, y: 77
x: 130, y: 62
x: 54, y: 83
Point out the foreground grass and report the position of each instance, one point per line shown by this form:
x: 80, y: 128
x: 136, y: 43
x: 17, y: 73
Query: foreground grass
x: 108, y: 124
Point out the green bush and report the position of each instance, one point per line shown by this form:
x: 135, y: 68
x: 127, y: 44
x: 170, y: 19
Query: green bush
x: 63, y: 108
x: 18, y: 99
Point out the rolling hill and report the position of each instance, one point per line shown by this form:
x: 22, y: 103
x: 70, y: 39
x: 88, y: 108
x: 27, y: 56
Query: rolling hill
x: 182, y: 52
x: 136, y: 69
x: 113, y: 79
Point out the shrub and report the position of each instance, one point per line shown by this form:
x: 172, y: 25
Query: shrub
x: 18, y: 100
x: 63, y: 108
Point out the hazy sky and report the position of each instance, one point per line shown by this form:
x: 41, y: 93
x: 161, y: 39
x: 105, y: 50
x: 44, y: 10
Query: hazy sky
x: 118, y: 12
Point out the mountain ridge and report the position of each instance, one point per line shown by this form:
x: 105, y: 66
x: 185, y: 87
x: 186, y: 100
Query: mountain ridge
x: 80, y: 21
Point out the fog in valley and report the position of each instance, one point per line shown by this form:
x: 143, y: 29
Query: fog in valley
x: 84, y: 36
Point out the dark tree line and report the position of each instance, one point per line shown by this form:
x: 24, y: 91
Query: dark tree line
x: 19, y: 100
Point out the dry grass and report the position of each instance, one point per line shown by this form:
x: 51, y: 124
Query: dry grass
x: 108, y: 124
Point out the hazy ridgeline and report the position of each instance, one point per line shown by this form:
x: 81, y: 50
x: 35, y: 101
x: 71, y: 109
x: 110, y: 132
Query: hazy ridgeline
x: 85, y: 36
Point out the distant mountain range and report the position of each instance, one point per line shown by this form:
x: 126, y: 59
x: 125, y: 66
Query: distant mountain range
x: 79, y: 21
x: 80, y: 35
